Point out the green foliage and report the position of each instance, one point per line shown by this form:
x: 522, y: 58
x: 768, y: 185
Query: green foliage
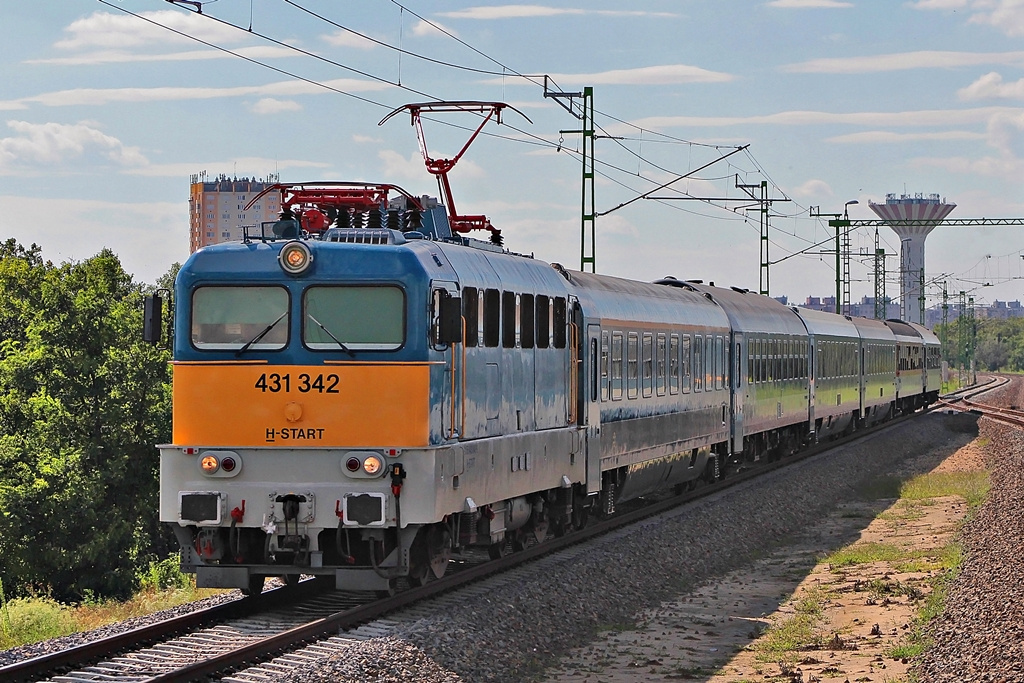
x: 998, y: 345
x: 82, y: 402
x: 29, y: 620
x: 166, y: 573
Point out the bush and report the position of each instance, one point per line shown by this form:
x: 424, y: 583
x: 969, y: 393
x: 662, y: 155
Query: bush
x: 162, y: 574
x: 29, y: 620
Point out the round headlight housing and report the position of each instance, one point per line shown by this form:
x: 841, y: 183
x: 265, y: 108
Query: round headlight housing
x: 295, y: 258
x: 372, y: 464
x: 209, y: 464
x: 352, y: 464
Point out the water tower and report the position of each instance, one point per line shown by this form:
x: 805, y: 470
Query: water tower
x: 913, y: 217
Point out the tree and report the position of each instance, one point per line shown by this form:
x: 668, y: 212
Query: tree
x: 82, y: 403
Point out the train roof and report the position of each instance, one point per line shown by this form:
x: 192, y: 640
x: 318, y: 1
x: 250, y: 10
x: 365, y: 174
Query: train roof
x: 831, y: 324
x: 613, y: 298
x: 748, y: 311
x: 869, y: 328
x: 927, y: 335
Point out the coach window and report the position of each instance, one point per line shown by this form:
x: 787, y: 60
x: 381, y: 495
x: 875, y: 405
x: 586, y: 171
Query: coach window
x: 509, y: 319
x: 720, y: 370
x: 616, y: 388
x: 673, y: 364
x: 632, y: 365
x: 660, y: 368
x: 559, y: 321
x: 543, y: 322
x: 685, y: 364
x: 604, y: 366
x: 226, y: 318
x: 360, y: 318
x: 492, y: 317
x: 648, y: 369
x: 470, y: 310
x: 698, y: 362
x: 526, y: 321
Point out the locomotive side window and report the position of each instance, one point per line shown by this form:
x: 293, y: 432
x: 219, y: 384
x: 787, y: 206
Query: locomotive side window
x: 509, y: 320
x: 470, y: 311
x: 648, y: 369
x: 234, y: 317
x: 604, y: 366
x: 661, y: 365
x: 632, y: 365
x: 559, y: 321
x: 685, y: 364
x: 543, y: 322
x: 492, y: 317
x: 616, y: 366
x: 367, y: 318
x: 526, y: 321
x: 673, y: 364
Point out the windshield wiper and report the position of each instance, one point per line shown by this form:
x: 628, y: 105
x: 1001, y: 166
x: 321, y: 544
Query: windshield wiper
x: 328, y: 333
x: 259, y: 336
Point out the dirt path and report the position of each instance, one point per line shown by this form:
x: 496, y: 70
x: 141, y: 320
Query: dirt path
x: 855, y: 611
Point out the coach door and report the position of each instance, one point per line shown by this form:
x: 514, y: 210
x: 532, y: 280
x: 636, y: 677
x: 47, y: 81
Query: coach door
x: 736, y: 390
x: 592, y: 409
x: 448, y: 336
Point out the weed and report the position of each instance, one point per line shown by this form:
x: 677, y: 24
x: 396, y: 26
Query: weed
x: 30, y: 620
x: 972, y: 486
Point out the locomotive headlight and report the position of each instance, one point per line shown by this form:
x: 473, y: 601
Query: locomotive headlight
x: 372, y: 464
x: 295, y: 258
x: 210, y: 464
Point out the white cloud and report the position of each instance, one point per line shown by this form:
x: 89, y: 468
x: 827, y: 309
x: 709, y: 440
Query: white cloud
x: 808, y: 4
x: 888, y: 137
x: 106, y: 30
x: 342, y: 38
x: 813, y: 188
x: 121, y: 56
x: 100, y: 96
x: 991, y: 85
x: 1005, y: 15
x: 902, y: 61
x: 667, y: 74
x: 432, y: 28
x: 933, y: 117
x: 269, y: 105
x: 255, y: 166
x: 57, y: 144
x: 366, y: 139
x: 528, y: 11
x: 413, y: 168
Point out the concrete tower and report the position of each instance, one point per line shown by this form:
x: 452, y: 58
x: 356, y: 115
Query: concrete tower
x: 926, y: 212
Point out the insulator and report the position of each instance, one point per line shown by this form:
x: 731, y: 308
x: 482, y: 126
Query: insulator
x: 394, y: 220
x: 344, y: 218
x: 413, y: 219
x: 374, y: 219
x: 496, y: 237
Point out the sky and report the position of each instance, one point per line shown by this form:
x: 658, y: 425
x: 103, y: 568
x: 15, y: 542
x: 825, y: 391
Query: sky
x: 107, y: 108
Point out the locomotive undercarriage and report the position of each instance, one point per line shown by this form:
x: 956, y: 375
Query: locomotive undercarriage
x: 375, y: 559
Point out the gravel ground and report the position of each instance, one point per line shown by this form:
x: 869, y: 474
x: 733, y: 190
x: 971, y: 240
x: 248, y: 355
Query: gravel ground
x: 980, y: 635
x: 520, y: 623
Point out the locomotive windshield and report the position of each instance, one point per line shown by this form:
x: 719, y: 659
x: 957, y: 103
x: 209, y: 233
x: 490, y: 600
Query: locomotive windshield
x: 363, y: 318
x: 240, y: 317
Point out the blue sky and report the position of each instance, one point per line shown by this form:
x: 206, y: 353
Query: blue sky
x: 104, y: 116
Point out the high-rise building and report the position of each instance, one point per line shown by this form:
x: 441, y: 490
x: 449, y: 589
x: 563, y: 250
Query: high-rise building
x: 217, y: 208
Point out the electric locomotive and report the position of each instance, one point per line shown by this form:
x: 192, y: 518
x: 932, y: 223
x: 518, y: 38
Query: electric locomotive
x: 360, y: 391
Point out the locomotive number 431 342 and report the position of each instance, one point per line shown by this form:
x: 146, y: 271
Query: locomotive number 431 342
x: 303, y: 383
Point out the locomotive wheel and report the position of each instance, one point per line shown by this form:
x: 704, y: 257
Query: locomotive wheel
x: 519, y: 540
x: 390, y: 591
x: 290, y: 579
x: 431, y: 552
x: 580, y: 516
x: 540, y: 529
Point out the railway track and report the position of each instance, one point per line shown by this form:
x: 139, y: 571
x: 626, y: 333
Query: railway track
x: 260, y: 639
x: 1012, y: 416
